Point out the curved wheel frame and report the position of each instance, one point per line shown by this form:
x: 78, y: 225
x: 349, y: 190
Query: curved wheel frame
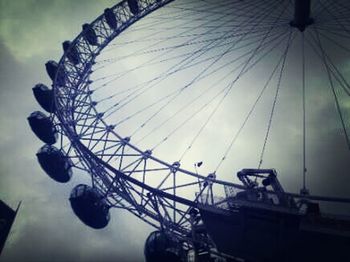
x: 117, y: 168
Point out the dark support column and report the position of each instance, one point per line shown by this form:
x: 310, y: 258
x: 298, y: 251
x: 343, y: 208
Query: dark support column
x: 302, y: 17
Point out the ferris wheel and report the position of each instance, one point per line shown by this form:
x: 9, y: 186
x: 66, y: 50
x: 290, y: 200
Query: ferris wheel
x: 159, y: 102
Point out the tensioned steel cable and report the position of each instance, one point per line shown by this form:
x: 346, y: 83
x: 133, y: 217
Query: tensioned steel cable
x: 182, y: 68
x: 171, y: 95
x: 210, y: 87
x: 333, y: 90
x: 304, y: 108
x: 235, y: 137
x: 274, y: 102
x: 228, y: 90
x: 143, y: 89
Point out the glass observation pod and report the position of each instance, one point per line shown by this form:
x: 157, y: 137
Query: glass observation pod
x: 52, y: 69
x: 90, y: 206
x: 55, y: 163
x: 90, y: 34
x: 44, y: 96
x: 43, y: 127
x: 110, y: 18
x: 159, y: 247
x: 71, y: 51
x: 133, y: 6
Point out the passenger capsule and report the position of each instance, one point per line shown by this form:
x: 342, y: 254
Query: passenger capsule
x: 133, y: 6
x: 43, y: 127
x: 90, y: 206
x: 44, y: 96
x: 52, y: 69
x: 110, y: 18
x: 55, y: 163
x: 71, y: 52
x: 159, y: 247
x: 90, y: 34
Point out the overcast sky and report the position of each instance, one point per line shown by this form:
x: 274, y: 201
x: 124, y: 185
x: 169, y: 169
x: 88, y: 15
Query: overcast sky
x: 31, y: 32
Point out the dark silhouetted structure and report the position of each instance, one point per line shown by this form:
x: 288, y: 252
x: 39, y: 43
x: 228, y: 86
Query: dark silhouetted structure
x: 302, y: 17
x: 263, y: 223
x: 7, y: 217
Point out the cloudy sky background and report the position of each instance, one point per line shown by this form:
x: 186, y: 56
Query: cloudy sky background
x: 31, y: 32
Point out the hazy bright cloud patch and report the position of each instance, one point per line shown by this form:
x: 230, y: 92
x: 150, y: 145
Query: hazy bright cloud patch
x: 27, y: 26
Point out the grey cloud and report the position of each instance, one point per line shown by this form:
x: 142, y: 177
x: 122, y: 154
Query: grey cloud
x: 27, y: 26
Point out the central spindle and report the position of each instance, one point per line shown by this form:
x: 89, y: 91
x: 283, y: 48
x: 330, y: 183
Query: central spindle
x: 302, y: 17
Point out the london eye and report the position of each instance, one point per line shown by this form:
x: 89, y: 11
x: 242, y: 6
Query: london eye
x: 192, y: 115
